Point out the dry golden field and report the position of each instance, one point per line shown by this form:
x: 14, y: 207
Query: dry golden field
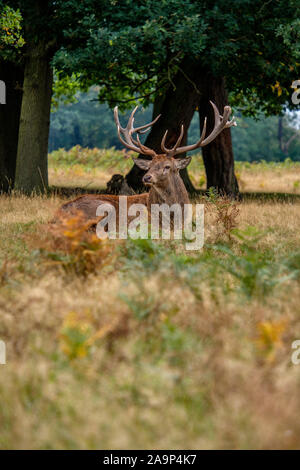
x: 141, y: 344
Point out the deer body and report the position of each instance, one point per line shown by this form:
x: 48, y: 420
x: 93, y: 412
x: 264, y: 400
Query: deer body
x: 88, y: 203
x: 162, y: 171
x: 168, y: 189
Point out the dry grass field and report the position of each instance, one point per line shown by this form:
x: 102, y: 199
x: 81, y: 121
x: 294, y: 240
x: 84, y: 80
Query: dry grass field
x: 141, y: 344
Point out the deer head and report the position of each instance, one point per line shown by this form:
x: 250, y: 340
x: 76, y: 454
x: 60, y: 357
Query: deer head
x: 161, y: 168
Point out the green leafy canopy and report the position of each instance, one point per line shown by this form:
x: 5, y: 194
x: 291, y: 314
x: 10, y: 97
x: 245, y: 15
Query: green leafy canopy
x: 135, y: 49
x: 11, y: 40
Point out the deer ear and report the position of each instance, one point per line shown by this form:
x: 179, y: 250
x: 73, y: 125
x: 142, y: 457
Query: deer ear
x: 142, y: 164
x: 182, y: 162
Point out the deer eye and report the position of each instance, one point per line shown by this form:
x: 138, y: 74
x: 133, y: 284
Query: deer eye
x: 167, y: 167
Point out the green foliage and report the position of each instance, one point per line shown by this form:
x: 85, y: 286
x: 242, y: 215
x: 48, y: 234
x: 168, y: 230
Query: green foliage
x: 11, y: 40
x: 140, y: 53
x: 257, y: 140
x: 84, y: 122
x: 89, y: 124
x: 240, y: 267
x: 91, y: 159
x: 175, y: 354
x: 145, y: 254
x: 141, y: 306
x: 256, y: 272
x: 64, y: 89
x: 293, y: 263
x: 291, y: 34
x: 133, y: 49
x: 50, y: 24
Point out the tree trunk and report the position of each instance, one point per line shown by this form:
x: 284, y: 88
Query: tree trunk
x: 218, y: 155
x: 32, y: 158
x: 176, y: 106
x: 12, y: 75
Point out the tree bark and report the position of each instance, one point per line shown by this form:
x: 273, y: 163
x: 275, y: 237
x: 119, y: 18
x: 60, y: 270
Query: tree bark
x: 218, y: 155
x: 12, y: 75
x: 32, y: 157
x: 176, y: 106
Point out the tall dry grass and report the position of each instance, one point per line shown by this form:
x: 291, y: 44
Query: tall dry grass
x: 157, y: 348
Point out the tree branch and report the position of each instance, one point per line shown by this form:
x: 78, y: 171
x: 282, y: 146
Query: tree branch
x: 136, y: 98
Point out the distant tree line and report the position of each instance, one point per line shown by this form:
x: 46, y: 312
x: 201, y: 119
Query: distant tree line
x: 177, y: 55
x: 90, y: 124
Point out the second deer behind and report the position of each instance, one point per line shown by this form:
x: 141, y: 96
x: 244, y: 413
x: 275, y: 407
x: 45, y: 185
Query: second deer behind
x: 162, y: 170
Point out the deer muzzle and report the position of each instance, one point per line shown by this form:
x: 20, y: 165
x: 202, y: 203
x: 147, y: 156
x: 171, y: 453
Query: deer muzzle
x: 147, y: 179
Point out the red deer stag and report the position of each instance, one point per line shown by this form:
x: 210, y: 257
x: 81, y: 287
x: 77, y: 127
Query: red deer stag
x: 162, y: 170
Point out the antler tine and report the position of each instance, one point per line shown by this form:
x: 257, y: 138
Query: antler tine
x: 126, y: 137
x: 203, y: 131
x: 179, y: 138
x: 116, y: 116
x: 163, y: 140
x: 143, y: 148
x: 146, y: 127
x: 131, y: 119
x: 224, y: 118
x: 171, y: 152
x: 221, y: 122
x: 217, y: 115
x: 125, y: 143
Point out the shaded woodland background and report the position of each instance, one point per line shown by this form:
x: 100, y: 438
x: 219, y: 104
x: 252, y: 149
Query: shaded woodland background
x: 171, y: 57
x: 134, y: 344
x: 87, y: 123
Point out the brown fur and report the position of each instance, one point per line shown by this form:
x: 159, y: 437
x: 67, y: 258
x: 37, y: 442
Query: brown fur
x: 166, y: 186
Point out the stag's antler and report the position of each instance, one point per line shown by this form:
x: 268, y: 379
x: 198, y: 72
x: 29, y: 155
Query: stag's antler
x: 127, y: 132
x: 221, y: 122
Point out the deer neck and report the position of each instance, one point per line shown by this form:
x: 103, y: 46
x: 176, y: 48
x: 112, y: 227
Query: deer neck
x: 174, y: 192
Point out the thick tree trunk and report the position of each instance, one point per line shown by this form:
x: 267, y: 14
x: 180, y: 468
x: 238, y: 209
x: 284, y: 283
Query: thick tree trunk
x: 12, y: 75
x: 176, y: 107
x: 218, y: 155
x: 32, y: 158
